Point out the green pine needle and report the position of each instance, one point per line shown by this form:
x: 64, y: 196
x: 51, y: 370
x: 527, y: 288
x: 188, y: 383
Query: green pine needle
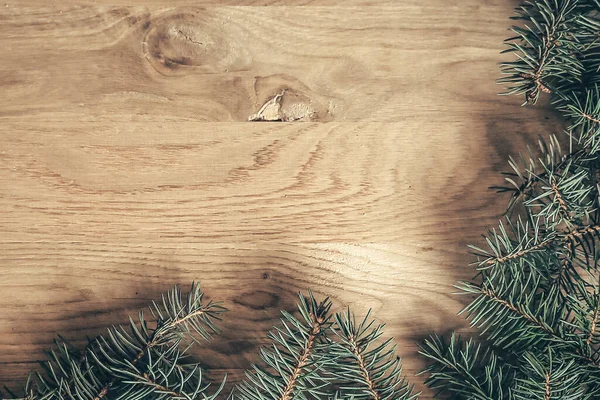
x: 536, y: 302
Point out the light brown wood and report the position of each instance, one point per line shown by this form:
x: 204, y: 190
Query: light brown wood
x: 127, y: 162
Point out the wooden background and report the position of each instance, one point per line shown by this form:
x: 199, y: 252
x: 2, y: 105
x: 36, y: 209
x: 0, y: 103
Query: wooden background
x: 127, y: 162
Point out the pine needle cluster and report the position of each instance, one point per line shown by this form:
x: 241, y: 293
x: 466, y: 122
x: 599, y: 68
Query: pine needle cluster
x: 326, y: 356
x: 144, y: 360
x: 314, y: 354
x: 536, y: 293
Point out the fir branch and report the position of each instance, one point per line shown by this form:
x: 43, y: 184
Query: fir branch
x: 525, y: 245
x: 139, y: 362
x: 465, y: 370
x: 124, y: 359
x: 550, y: 377
x: 559, y: 198
x: 521, y: 253
x: 540, y: 45
x: 366, y: 375
x: 536, y: 172
x: 367, y: 369
x: 494, y: 297
x: 176, y: 320
x: 162, y: 389
x: 167, y: 379
x: 303, y: 359
x: 591, y: 118
x: 580, y: 233
x: 593, y: 324
x: 296, y: 364
x: 585, y: 310
x: 536, y: 300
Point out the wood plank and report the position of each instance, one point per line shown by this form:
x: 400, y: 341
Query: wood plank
x: 126, y: 164
x: 435, y: 5
x: 224, y: 63
x: 245, y: 182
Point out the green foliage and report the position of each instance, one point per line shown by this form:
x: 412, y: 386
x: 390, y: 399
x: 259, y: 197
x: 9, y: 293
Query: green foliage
x: 313, y: 355
x: 321, y: 356
x: 296, y: 363
x: 141, y: 361
x: 465, y: 370
x: 536, y: 293
x: 366, y: 367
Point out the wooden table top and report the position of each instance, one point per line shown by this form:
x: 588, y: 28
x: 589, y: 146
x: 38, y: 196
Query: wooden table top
x: 128, y: 164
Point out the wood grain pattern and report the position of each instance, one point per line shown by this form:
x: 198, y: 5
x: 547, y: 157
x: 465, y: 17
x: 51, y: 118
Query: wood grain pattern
x: 127, y: 163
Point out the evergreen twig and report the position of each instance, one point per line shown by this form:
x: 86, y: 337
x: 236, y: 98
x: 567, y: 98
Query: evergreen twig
x: 536, y: 289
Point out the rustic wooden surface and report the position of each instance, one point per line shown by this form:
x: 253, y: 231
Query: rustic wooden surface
x: 127, y: 162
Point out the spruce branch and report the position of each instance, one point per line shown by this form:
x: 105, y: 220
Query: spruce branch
x: 151, y: 361
x: 296, y: 363
x: 549, y: 378
x: 367, y: 369
x: 536, y: 288
x: 465, y: 370
x: 594, y: 321
x: 543, y: 45
x: 139, y: 361
x: 177, y: 319
x: 315, y: 357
